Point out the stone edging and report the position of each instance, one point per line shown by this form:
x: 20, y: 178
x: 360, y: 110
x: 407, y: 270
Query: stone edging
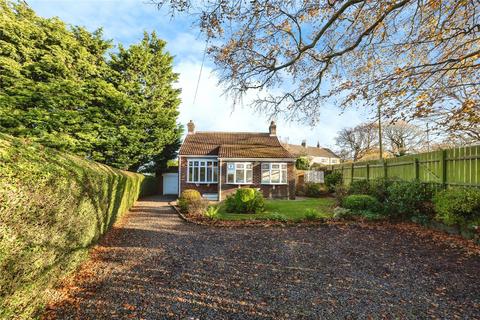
x: 184, y: 217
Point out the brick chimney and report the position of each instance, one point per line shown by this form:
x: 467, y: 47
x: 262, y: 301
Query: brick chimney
x: 304, y: 143
x: 191, y: 127
x: 318, y: 144
x: 272, y: 129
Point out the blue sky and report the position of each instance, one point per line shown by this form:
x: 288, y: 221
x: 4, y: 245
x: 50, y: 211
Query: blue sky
x: 124, y: 21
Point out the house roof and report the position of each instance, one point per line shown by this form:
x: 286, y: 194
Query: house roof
x: 300, y: 151
x: 233, y: 145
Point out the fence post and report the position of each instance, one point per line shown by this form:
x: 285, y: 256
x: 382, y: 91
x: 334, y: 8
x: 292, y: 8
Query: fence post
x: 368, y: 171
x: 353, y: 169
x: 417, y: 169
x: 443, y: 163
x: 385, y: 169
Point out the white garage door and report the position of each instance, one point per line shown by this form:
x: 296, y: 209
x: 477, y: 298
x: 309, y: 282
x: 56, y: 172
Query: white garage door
x: 170, y: 183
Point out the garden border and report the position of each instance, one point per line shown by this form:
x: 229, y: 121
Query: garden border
x: 259, y: 223
x: 309, y: 224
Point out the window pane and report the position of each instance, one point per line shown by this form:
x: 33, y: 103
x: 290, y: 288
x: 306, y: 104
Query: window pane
x: 195, y: 174
x: 195, y: 163
x: 249, y: 176
x: 284, y: 176
x: 190, y: 173
x: 249, y: 166
x: 275, y: 166
x: 215, y: 174
x: 284, y: 166
x: 275, y: 176
x: 239, y: 165
x: 266, y: 176
x: 240, y: 176
x: 230, y: 172
x: 265, y: 166
x: 209, y: 174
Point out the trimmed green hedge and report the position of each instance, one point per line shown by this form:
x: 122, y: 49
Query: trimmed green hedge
x: 53, y: 208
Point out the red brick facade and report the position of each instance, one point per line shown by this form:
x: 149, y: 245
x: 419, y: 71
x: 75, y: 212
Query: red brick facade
x: 285, y: 191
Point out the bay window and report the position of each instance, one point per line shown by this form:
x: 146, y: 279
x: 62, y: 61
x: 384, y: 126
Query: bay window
x: 274, y: 173
x: 239, y: 172
x: 202, y: 171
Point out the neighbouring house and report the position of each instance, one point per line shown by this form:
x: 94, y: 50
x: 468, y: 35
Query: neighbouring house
x: 217, y: 163
x: 316, y: 155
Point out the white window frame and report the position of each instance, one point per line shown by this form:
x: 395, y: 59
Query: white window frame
x: 235, y: 164
x: 208, y: 180
x: 283, y: 172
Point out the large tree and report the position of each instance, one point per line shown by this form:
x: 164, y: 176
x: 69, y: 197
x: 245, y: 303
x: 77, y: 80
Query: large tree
x: 59, y: 87
x: 416, y: 58
x: 401, y: 138
x: 354, y: 143
x: 144, y: 73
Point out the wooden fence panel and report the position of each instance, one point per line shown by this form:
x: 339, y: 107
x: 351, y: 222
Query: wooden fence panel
x: 429, y: 167
x: 453, y: 167
x: 402, y: 168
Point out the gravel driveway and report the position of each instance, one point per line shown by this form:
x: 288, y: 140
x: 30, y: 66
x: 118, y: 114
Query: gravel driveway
x: 155, y: 266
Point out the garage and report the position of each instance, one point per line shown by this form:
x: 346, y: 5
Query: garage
x: 170, y: 183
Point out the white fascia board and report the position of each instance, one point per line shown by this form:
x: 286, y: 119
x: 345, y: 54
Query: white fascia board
x: 194, y: 156
x: 260, y: 159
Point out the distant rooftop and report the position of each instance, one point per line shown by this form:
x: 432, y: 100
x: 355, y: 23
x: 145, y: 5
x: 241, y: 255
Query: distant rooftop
x: 302, y: 151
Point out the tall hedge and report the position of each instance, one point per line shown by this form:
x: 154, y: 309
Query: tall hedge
x: 53, y: 207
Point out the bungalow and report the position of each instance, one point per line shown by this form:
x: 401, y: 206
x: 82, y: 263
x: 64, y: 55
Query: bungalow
x: 217, y: 163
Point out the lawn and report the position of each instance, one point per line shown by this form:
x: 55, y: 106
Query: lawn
x: 291, y: 209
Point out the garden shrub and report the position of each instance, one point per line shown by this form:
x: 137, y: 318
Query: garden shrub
x: 312, y: 214
x: 342, y: 213
x: 457, y: 206
x: 407, y: 199
x: 369, y: 215
x: 379, y: 188
x: 359, y: 187
x: 341, y: 192
x: 245, y: 200
x: 361, y: 202
x: 313, y: 189
x: 277, y: 217
x: 332, y: 179
x: 191, y: 202
x: 302, y: 163
x: 211, y: 212
x: 53, y: 207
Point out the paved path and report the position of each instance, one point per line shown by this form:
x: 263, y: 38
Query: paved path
x: 156, y: 266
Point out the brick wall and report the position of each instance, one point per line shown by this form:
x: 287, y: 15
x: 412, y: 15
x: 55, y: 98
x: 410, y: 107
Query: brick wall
x: 202, y: 188
x: 269, y: 191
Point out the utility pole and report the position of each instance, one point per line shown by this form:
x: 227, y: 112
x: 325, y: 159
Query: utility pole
x: 379, y: 109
